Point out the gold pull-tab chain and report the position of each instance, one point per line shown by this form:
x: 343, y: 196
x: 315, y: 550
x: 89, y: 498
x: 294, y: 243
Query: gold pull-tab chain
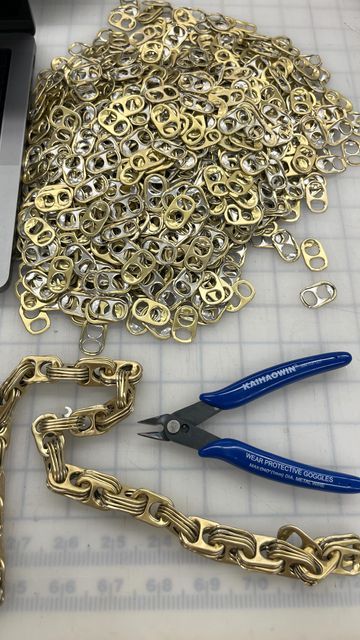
x: 311, y: 561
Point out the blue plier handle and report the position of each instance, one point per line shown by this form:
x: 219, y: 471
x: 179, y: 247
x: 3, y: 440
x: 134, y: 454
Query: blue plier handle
x: 182, y: 426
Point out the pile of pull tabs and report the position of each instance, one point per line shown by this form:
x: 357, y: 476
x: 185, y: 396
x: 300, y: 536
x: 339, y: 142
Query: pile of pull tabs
x: 156, y: 155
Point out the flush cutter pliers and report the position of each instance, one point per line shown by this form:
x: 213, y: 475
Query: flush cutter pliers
x: 182, y: 426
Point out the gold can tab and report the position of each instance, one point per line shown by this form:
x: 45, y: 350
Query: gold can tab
x: 150, y: 312
x: 243, y: 293
x: 179, y: 212
x: 124, y: 17
x: 94, y: 218
x: 200, y: 545
x: 316, y: 193
x: 106, y: 309
x: 92, y: 188
x: 351, y: 152
x: 151, y: 52
x: 185, y: 324
x: 128, y: 105
x: 114, y: 122
x: 304, y: 159
x: 166, y: 119
x: 138, y: 267
x: 54, y: 198
x: 60, y: 272
x: 314, y: 255
x: 198, y: 254
x: 36, y: 322
x: 62, y: 117
x: 242, y: 217
x: 213, y: 290
x: 39, y: 231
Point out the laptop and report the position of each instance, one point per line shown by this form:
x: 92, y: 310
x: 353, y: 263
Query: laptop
x: 17, y: 54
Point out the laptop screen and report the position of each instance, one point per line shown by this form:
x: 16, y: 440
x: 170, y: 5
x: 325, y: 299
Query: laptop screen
x: 5, y: 56
x: 15, y: 16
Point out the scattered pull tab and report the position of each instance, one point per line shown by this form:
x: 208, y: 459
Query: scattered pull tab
x: 92, y: 338
x: 318, y: 294
x: 314, y: 255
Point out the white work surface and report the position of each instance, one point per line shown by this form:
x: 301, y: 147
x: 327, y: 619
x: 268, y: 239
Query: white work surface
x: 73, y: 572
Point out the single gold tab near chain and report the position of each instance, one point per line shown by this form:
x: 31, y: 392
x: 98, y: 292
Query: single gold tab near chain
x: 311, y: 561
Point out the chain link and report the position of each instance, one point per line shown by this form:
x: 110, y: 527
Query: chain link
x: 311, y: 560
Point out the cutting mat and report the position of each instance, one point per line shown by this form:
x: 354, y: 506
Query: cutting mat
x: 72, y: 571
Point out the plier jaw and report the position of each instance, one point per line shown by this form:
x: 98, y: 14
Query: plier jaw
x: 156, y: 421
x: 180, y: 427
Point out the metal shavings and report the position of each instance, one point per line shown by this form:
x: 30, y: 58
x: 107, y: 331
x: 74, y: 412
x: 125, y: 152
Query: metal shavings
x: 156, y: 155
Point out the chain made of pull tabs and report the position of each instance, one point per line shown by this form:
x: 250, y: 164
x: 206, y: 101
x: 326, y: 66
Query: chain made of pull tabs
x: 156, y: 155
x: 311, y: 561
